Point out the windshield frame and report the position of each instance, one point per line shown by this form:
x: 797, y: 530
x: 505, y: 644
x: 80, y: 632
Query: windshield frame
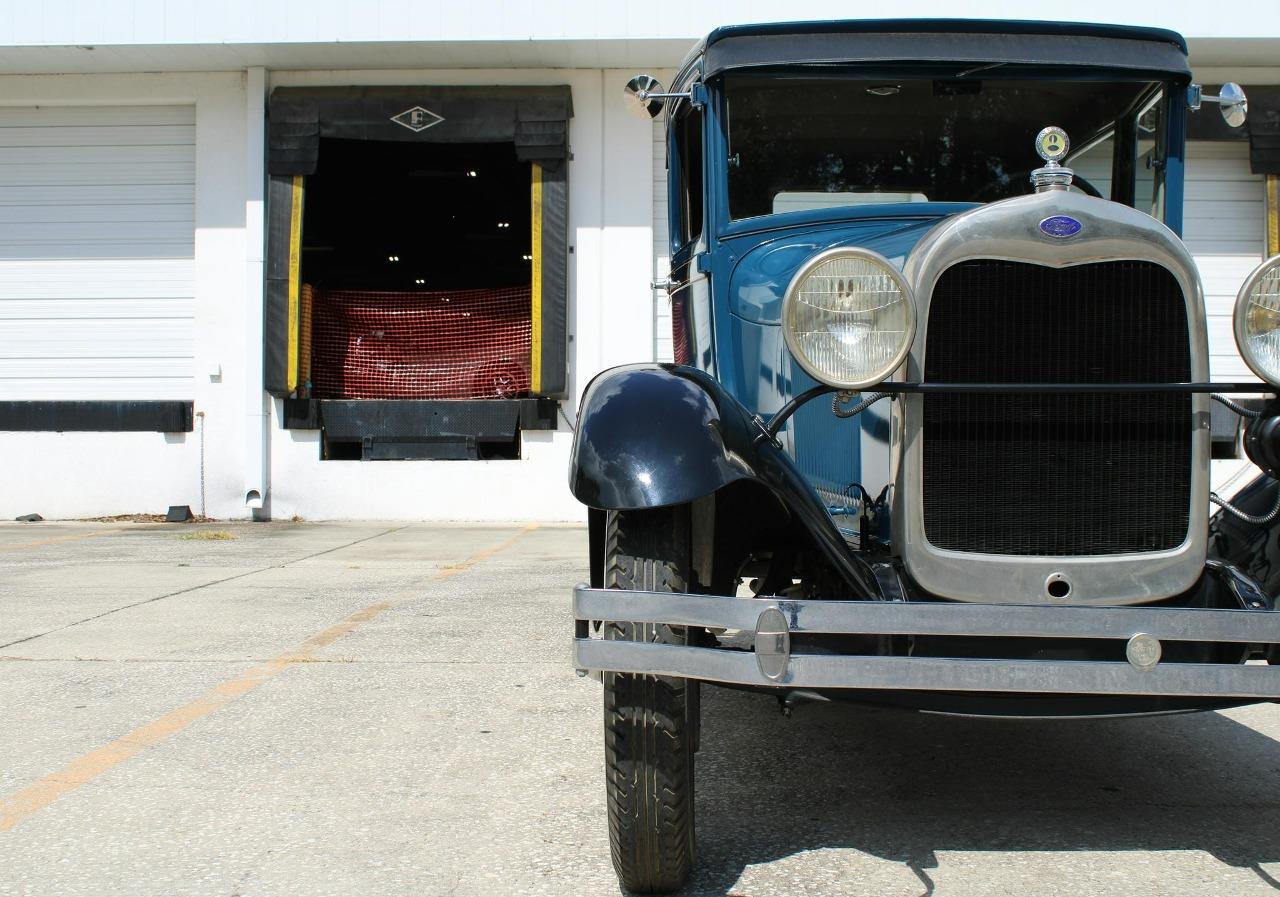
x: 716, y: 147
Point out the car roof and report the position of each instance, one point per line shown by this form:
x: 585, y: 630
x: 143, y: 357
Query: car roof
x: 959, y: 26
x: 938, y: 40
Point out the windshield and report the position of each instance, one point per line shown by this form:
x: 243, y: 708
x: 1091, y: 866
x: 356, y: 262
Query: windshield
x: 803, y: 142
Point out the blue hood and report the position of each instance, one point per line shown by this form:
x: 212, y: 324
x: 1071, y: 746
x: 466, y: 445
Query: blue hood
x: 768, y: 259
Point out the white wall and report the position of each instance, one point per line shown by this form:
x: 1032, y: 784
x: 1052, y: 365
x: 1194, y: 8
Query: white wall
x: 132, y: 22
x: 610, y: 220
x: 91, y: 474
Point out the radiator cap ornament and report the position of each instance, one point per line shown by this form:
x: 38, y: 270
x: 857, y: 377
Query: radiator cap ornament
x: 1052, y: 145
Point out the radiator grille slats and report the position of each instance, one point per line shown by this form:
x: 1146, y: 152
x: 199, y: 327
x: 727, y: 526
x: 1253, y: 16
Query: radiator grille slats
x: 1067, y: 475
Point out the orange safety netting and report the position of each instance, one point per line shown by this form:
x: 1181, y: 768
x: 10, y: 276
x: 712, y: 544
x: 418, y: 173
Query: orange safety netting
x: 460, y: 344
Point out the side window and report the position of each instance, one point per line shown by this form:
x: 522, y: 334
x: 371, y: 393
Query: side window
x: 1127, y: 166
x: 687, y: 181
x: 1093, y: 165
x: 1149, y: 153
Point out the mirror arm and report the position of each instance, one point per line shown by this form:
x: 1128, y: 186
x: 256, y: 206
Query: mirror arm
x: 696, y: 94
x: 1196, y: 96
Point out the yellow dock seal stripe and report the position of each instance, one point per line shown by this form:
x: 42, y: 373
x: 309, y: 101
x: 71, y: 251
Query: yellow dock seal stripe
x: 295, y: 269
x: 1273, y: 214
x: 535, y: 336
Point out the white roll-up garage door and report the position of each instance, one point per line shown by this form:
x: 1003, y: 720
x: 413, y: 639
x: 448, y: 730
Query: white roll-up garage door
x: 96, y: 252
x: 662, y: 347
x: 1223, y: 226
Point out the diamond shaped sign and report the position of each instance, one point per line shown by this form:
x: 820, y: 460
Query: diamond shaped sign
x: 417, y: 118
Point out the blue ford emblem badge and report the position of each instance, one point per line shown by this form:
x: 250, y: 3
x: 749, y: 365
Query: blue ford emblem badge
x: 1060, y: 226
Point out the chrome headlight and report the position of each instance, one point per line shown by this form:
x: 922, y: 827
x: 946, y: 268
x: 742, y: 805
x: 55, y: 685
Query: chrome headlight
x: 848, y: 317
x: 1257, y: 320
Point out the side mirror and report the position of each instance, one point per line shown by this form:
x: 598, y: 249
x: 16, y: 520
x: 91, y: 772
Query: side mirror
x: 644, y: 96
x: 1232, y: 102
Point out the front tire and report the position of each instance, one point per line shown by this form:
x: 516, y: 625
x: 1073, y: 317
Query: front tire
x: 650, y: 722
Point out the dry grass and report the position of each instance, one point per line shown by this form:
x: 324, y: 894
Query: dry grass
x: 208, y: 535
x: 141, y: 518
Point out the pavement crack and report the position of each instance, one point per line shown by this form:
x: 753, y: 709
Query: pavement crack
x: 196, y: 588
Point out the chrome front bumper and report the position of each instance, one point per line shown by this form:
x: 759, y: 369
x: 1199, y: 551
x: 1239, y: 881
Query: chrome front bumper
x: 769, y: 623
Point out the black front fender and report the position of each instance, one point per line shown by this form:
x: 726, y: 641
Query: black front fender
x: 652, y: 435
x: 655, y: 435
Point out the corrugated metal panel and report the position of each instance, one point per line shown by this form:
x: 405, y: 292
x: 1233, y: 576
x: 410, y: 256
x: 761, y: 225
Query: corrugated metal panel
x: 1223, y: 226
x: 662, y: 346
x: 97, y: 225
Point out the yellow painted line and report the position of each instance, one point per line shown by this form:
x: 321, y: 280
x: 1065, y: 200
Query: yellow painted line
x: 55, y: 539
x: 1273, y: 214
x: 35, y: 797
x: 535, y: 336
x: 295, y: 275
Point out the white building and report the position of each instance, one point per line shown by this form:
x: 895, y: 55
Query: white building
x: 159, y: 178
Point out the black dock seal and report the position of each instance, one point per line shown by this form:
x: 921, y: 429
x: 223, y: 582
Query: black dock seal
x: 97, y: 416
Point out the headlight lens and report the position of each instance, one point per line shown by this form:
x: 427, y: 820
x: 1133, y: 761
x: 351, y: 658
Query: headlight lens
x: 1257, y: 320
x: 848, y: 318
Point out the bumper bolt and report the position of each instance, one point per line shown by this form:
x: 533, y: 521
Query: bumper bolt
x: 1143, y: 651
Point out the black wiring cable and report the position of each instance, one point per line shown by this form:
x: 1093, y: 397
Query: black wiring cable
x: 1256, y: 519
x: 841, y: 397
x: 775, y: 423
x: 1251, y: 413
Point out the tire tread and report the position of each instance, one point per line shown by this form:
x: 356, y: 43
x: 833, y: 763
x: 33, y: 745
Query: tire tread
x: 648, y: 733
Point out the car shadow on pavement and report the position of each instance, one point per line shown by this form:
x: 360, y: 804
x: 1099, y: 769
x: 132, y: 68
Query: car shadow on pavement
x: 903, y: 786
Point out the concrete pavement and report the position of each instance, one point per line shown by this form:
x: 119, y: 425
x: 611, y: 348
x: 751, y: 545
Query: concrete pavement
x: 385, y: 710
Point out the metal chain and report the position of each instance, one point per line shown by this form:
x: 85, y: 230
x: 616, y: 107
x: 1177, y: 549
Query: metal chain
x: 200, y: 415
x: 565, y: 417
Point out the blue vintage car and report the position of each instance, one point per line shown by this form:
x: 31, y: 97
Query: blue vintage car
x: 938, y: 432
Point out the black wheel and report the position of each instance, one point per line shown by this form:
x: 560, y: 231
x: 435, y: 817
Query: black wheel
x: 650, y: 722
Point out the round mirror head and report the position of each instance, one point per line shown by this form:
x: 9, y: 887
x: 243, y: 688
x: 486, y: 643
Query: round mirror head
x: 638, y: 96
x: 1233, y: 104
x: 1052, y: 144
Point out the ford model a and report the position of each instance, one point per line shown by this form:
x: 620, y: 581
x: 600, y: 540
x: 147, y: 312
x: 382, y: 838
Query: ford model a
x: 938, y: 431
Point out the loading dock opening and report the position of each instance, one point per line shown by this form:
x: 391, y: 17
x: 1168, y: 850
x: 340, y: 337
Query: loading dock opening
x: 417, y: 267
x: 416, y: 272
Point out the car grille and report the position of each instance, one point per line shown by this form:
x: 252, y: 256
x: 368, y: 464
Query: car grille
x: 1044, y: 474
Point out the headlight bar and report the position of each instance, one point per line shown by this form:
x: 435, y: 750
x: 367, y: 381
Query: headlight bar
x: 775, y: 423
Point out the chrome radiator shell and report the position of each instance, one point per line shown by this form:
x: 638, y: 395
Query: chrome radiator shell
x: 1010, y: 231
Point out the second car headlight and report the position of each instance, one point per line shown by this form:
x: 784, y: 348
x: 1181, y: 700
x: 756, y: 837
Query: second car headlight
x: 848, y: 318
x: 1257, y: 320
